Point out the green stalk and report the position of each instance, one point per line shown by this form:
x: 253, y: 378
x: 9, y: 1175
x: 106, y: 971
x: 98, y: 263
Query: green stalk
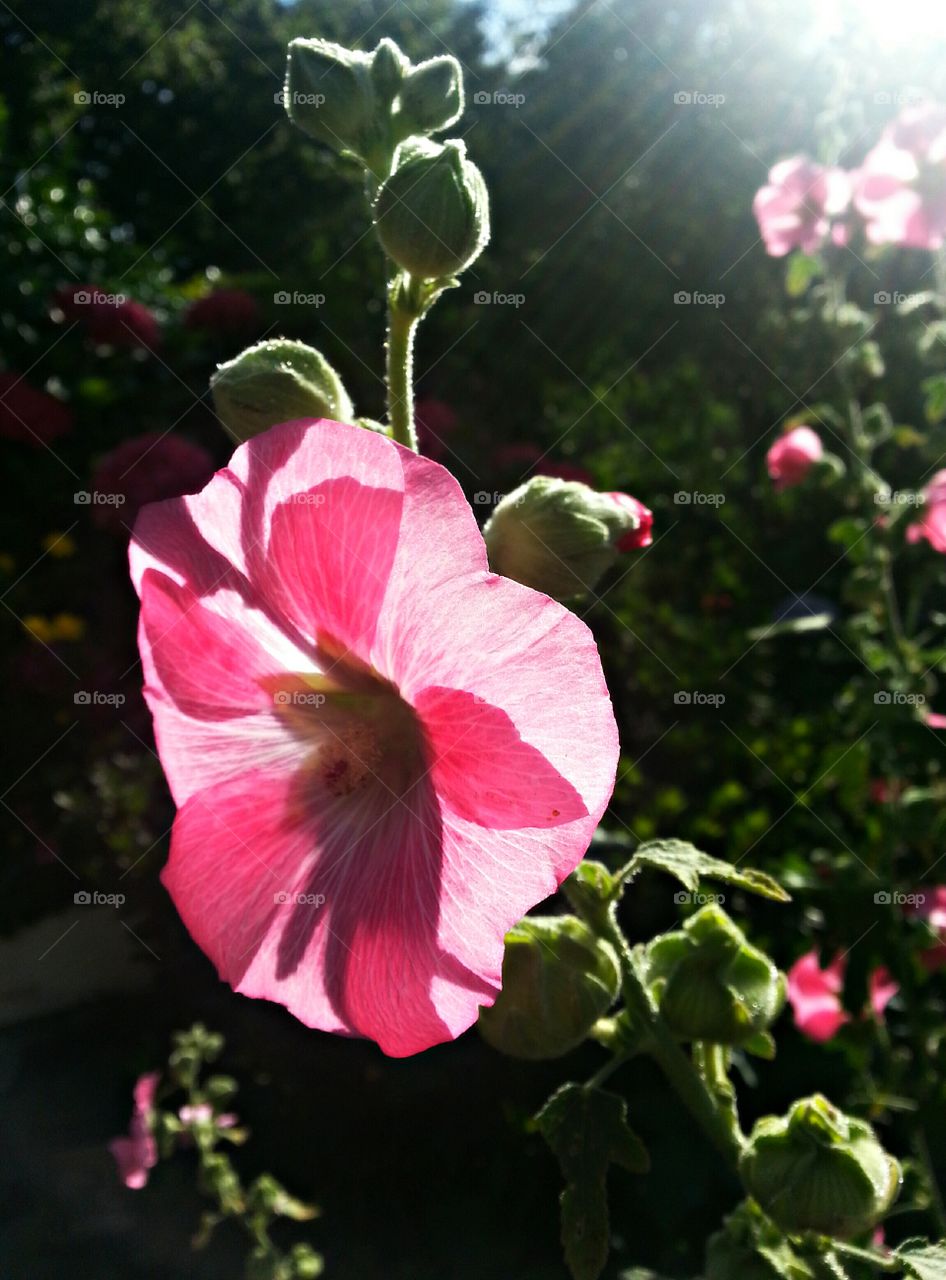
x: 400, y: 371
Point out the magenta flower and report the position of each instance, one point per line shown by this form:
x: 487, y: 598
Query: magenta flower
x: 795, y: 209
x: 642, y: 536
x: 932, y: 522
x: 144, y: 469
x: 792, y: 456
x: 815, y: 995
x: 137, y: 1154
x: 29, y: 415
x: 225, y: 311
x: 383, y: 755
x: 901, y: 188
x: 109, y: 318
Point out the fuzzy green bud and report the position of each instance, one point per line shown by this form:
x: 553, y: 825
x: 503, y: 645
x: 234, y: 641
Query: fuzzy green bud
x: 278, y: 380
x: 432, y: 213
x: 558, y: 980
x: 558, y: 536
x: 817, y: 1169
x: 342, y: 97
x: 711, y: 983
x: 431, y: 97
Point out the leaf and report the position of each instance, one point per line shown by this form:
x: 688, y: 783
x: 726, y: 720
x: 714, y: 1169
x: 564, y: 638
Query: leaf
x: 922, y: 1260
x: 934, y: 390
x: 802, y: 269
x: 587, y: 1131
x: 681, y: 859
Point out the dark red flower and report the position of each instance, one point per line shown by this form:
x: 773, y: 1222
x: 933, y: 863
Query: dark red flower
x: 30, y: 415
x: 148, y: 468
x: 225, y: 311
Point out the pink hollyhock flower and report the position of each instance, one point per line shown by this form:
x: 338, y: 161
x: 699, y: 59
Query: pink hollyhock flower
x: 901, y: 188
x: 792, y: 456
x: 795, y: 209
x: 28, y: 415
x: 932, y: 910
x: 382, y: 754
x: 144, y: 469
x: 642, y: 536
x: 109, y: 318
x: 435, y: 422
x: 137, y: 1154
x: 203, y: 1113
x: 932, y: 522
x: 815, y: 995
x: 225, y: 311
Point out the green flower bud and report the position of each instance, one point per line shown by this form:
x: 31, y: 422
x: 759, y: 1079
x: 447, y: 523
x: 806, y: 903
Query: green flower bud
x: 431, y: 97
x: 432, y: 213
x: 711, y: 983
x: 750, y: 1247
x: 817, y: 1169
x: 558, y: 980
x: 330, y: 94
x: 558, y: 536
x: 277, y: 381
x: 388, y: 68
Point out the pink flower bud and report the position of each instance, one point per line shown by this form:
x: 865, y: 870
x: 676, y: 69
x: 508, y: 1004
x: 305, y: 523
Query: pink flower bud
x: 791, y: 456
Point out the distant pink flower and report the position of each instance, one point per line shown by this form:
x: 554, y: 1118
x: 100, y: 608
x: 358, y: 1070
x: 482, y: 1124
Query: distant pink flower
x: 792, y: 456
x: 29, y: 415
x: 815, y: 995
x: 137, y: 1154
x: 436, y: 422
x: 932, y: 522
x: 518, y: 455
x: 642, y: 536
x: 935, y: 719
x: 109, y: 318
x: 901, y: 188
x: 144, y: 469
x: 795, y: 209
x: 224, y: 311
x: 363, y: 730
x: 203, y: 1113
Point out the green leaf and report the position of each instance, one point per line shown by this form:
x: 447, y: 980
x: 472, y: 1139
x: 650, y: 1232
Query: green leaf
x: 802, y: 269
x: 922, y: 1260
x: 934, y: 389
x: 587, y: 1131
x: 681, y: 859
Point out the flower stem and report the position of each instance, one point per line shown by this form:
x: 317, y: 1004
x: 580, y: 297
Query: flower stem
x: 716, y: 1120
x: 400, y: 371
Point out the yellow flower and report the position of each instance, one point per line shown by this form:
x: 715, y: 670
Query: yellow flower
x: 59, y: 545
x: 64, y: 626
